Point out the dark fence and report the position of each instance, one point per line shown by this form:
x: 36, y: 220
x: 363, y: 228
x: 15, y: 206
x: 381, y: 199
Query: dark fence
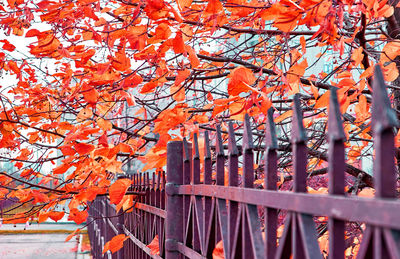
x: 191, y: 215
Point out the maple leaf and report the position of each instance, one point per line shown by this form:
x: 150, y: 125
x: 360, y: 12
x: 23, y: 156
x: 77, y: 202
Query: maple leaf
x: 118, y: 189
x: 115, y: 244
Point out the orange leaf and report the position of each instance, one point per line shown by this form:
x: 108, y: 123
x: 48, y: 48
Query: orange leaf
x: 43, y: 216
x: 154, y: 246
x: 283, y: 116
x: 214, y: 7
x: 90, y: 94
x: 322, y: 101
x: 83, y: 148
x: 357, y: 56
x: 56, y: 215
x: 118, y: 189
x: 104, y: 124
x: 367, y: 192
x: 390, y: 72
x: 76, y: 231
x: 125, y: 148
x: 182, y: 4
x: 194, y: 60
x: 218, y: 252
x: 7, y: 45
x: 296, y: 71
x: 61, y: 169
x: 148, y: 87
x: 240, y: 80
x: 115, y: 244
x: 178, y: 44
x: 78, y: 216
x: 182, y: 75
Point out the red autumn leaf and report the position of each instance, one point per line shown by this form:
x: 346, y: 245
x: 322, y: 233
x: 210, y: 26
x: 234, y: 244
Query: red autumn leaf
x: 61, y: 169
x: 125, y: 148
x: 194, y: 60
x: 43, y: 216
x: 83, y: 148
x: 182, y: 75
x: 218, y: 252
x: 240, y: 80
x: 214, y: 7
x: 32, y: 33
x: 322, y: 101
x: 115, y: 244
x: 103, y: 140
x: 132, y: 81
x: 7, y: 45
x: 148, y: 87
x: 154, y: 246
x: 56, y: 215
x: 90, y: 94
x: 78, y: 216
x: 74, y: 233
x: 67, y: 150
x: 118, y: 189
x: 178, y: 44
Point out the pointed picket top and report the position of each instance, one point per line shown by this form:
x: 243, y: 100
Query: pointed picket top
x: 271, y: 141
x: 233, y: 150
x: 219, y: 142
x: 207, y: 148
x: 298, y: 131
x: 383, y: 116
x: 196, y: 146
x: 335, y: 124
x: 186, y: 156
x: 247, y: 134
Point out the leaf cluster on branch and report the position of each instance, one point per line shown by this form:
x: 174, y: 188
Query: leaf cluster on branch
x: 89, y: 86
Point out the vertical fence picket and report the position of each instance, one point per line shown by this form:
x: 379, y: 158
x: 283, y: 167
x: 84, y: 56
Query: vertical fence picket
x: 174, y: 206
x: 253, y: 245
x: 299, y: 157
x: 187, y: 171
x: 153, y: 224
x: 233, y: 206
x: 304, y: 235
x: 209, y: 235
x: 140, y: 227
x: 270, y: 180
x: 146, y: 225
x: 222, y: 225
x: 163, y: 198
x: 197, y: 213
x: 336, y: 167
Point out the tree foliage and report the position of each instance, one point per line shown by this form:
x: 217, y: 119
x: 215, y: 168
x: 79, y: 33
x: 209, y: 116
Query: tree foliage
x: 89, y: 85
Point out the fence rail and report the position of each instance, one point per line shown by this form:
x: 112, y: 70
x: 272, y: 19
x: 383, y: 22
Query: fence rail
x: 190, y: 215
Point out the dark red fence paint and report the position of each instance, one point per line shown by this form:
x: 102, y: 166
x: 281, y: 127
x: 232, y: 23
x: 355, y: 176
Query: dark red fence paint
x: 190, y: 215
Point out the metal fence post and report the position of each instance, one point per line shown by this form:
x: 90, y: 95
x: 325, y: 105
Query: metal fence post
x: 174, y: 203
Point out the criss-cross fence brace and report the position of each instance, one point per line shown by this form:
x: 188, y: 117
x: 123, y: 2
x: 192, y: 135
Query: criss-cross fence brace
x: 190, y: 215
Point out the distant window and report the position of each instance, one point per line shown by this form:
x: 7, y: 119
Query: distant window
x: 328, y: 68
